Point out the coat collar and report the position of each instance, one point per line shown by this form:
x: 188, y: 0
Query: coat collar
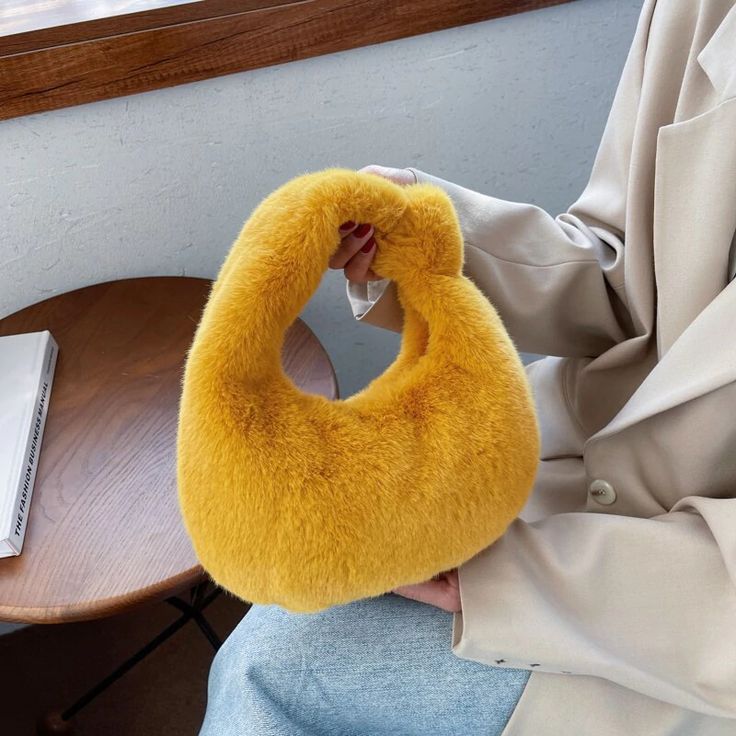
x: 718, y: 57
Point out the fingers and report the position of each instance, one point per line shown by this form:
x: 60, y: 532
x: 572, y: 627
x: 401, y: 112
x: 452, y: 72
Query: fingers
x: 358, y: 268
x: 358, y: 246
x: 356, y: 252
x: 354, y: 237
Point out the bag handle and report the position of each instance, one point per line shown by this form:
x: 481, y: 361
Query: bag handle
x: 283, y: 250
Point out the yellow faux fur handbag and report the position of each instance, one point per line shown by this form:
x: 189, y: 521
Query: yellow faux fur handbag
x: 292, y: 499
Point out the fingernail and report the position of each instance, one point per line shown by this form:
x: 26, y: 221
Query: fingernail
x: 369, y: 245
x: 362, y: 230
x: 347, y: 225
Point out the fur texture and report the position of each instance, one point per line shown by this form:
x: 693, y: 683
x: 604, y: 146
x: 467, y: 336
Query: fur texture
x: 303, y: 502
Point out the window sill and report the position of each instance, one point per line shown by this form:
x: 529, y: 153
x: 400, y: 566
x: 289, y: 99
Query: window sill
x: 46, y: 68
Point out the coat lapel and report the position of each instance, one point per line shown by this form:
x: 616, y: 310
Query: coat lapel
x: 718, y: 56
x: 695, y: 196
x: 694, y: 226
x: 694, y: 216
x: 701, y: 360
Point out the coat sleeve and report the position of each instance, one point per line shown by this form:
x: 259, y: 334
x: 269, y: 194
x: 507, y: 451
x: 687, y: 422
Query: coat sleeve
x: 557, y: 282
x: 649, y: 604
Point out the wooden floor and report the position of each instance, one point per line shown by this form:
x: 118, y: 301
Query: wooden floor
x: 47, y: 667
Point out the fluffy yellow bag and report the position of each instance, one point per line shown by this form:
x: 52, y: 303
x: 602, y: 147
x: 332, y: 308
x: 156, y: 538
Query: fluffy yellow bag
x: 292, y: 499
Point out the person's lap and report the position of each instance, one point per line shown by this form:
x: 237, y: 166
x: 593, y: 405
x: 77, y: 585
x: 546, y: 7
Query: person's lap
x: 375, y: 667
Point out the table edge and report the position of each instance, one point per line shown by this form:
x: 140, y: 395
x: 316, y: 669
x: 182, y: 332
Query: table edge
x: 105, y: 607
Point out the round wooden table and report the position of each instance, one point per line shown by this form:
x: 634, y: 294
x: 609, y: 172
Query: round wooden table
x: 104, y: 532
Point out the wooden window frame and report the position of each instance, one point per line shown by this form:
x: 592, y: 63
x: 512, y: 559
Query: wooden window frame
x: 49, y: 68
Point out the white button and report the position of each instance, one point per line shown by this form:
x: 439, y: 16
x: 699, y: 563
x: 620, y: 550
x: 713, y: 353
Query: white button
x: 601, y: 491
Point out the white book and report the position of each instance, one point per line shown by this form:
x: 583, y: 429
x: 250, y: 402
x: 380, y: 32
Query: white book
x: 27, y: 365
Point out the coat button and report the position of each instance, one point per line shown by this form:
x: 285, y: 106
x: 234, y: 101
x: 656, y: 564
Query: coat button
x: 602, y: 492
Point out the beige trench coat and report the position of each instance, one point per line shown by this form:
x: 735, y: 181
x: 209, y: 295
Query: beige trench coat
x: 616, y: 586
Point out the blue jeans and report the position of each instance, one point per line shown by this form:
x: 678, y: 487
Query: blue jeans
x: 378, y: 667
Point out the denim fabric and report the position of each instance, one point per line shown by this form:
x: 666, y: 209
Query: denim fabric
x: 378, y: 667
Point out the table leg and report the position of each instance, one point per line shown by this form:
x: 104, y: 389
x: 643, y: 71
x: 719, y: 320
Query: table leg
x: 61, y: 722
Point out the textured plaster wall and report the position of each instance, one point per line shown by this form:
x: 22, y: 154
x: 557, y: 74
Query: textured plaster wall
x: 160, y: 183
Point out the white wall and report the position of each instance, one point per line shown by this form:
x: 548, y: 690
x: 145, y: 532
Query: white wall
x: 160, y: 183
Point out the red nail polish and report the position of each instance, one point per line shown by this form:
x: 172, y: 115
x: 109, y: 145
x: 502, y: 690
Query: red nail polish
x: 347, y: 225
x: 362, y: 230
x: 369, y: 245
